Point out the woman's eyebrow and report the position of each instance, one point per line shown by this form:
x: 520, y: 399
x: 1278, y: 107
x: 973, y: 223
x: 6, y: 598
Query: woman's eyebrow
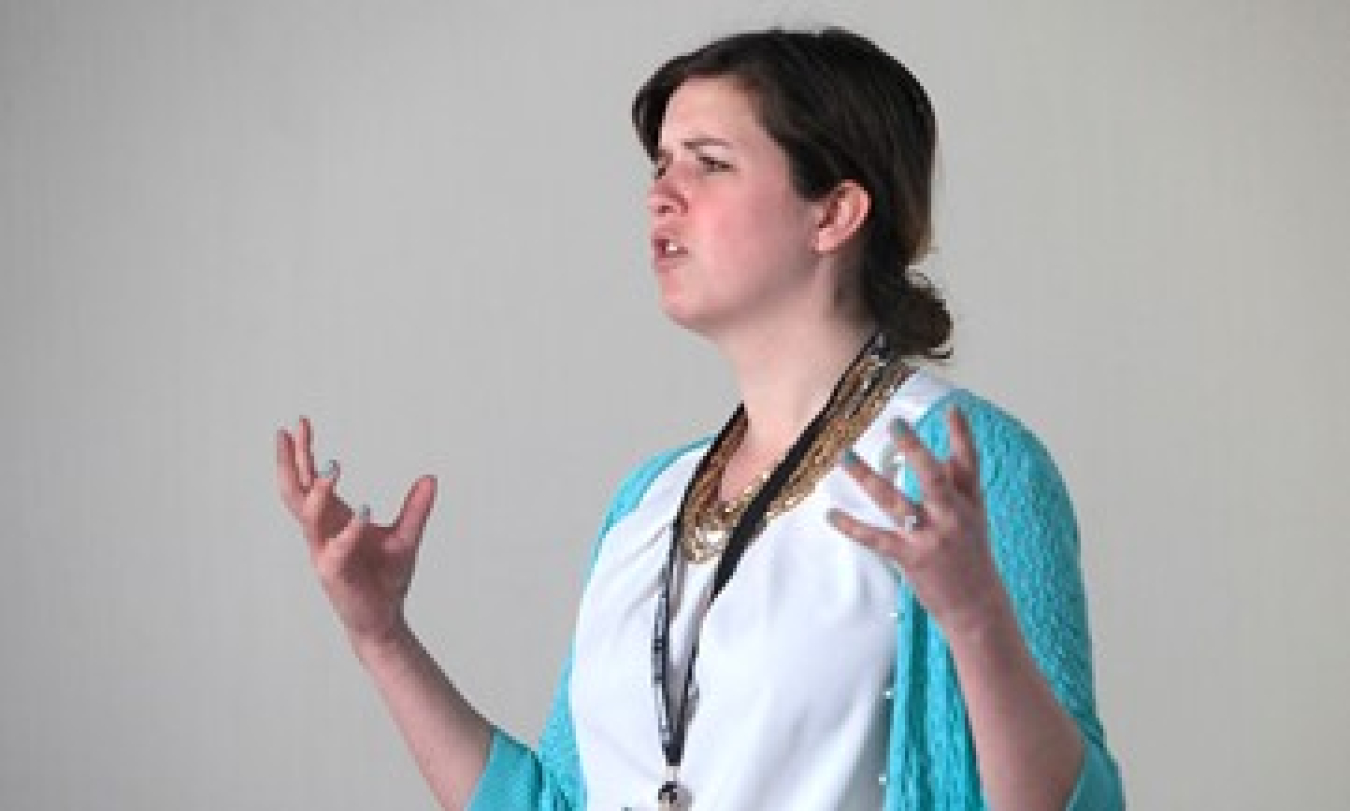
x: 704, y: 140
x: 694, y: 144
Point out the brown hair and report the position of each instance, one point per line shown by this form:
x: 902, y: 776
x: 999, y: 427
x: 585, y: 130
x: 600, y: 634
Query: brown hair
x: 841, y: 109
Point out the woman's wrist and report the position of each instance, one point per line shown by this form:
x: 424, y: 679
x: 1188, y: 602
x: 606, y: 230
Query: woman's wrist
x: 990, y: 622
x: 397, y: 641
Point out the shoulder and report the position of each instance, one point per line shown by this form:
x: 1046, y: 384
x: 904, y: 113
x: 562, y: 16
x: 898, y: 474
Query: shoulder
x: 1022, y: 485
x: 634, y: 485
x: 1004, y: 443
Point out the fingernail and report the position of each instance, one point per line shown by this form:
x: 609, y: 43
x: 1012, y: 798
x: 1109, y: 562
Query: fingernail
x: 849, y: 457
x: 329, y: 470
x: 900, y: 428
x: 363, y: 514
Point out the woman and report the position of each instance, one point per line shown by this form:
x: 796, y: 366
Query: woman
x: 865, y: 591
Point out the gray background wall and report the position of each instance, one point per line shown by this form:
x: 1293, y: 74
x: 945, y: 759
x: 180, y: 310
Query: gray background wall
x: 422, y: 224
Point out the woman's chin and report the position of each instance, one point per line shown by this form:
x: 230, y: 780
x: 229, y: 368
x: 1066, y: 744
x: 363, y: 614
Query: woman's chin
x: 684, y: 316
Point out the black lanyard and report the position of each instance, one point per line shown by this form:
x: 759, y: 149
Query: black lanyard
x: 673, y: 722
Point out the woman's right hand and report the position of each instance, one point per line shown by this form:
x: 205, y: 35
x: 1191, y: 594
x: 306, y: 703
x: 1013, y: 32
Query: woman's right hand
x: 364, y: 567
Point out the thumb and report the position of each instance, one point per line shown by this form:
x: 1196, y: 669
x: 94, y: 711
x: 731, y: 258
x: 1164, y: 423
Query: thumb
x: 412, y: 517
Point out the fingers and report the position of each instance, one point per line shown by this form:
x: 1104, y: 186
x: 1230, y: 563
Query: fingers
x: 945, y: 488
x: 344, y: 543
x: 885, y: 542
x: 319, y: 503
x: 406, y: 531
x: 887, y: 496
x: 964, y: 463
x: 934, y: 481
x: 295, y: 465
x: 288, y: 476
x: 326, y: 519
x: 304, y: 453
x: 891, y: 543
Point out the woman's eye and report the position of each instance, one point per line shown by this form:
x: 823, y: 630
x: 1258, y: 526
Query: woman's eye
x: 706, y: 162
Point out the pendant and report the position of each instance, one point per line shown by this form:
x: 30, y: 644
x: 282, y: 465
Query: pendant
x: 705, y: 543
x: 668, y: 796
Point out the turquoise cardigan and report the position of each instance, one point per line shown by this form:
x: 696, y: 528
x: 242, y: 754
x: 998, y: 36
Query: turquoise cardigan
x: 931, y: 760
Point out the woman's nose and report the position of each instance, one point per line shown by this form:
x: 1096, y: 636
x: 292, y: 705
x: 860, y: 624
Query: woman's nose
x: 664, y: 198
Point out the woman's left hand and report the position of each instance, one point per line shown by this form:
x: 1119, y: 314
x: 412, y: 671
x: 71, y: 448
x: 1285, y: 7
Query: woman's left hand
x: 942, y: 545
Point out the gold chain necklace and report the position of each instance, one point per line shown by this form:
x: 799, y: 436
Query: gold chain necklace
x: 709, y: 521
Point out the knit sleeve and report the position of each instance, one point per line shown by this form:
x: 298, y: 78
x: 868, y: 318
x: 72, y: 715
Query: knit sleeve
x: 518, y: 778
x: 549, y: 778
x: 1035, y: 541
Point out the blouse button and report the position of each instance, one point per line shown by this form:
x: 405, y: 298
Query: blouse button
x: 890, y: 693
x: 882, y: 780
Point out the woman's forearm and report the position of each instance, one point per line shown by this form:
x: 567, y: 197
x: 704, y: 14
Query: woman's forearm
x: 1028, y: 747
x: 447, y: 736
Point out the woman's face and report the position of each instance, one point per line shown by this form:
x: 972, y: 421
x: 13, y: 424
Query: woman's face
x: 732, y: 240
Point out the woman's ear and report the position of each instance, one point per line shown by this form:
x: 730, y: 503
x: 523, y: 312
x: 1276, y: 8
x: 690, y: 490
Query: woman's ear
x: 842, y: 214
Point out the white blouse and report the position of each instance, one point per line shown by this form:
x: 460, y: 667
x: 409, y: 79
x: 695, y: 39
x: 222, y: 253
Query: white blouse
x: 791, y: 690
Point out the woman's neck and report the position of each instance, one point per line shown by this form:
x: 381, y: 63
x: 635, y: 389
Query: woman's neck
x: 786, y: 376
